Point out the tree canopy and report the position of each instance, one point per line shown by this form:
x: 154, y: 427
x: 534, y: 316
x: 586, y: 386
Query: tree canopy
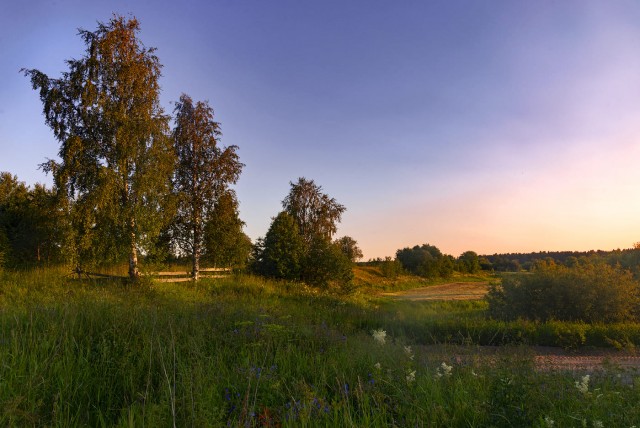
x: 315, y: 213
x: 426, y: 260
x: 349, y: 248
x: 116, y: 157
x: 226, y: 245
x: 32, y: 227
x: 203, y: 173
x: 281, y: 253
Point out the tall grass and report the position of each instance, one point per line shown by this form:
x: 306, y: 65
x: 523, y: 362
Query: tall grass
x: 248, y: 352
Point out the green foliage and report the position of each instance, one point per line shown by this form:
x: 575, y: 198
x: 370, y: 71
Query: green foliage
x: 116, y: 157
x: 426, y: 261
x: 5, y: 248
x: 591, y: 293
x: 469, y: 262
x: 315, y: 213
x: 225, y: 242
x: 282, y: 253
x: 298, y: 244
x: 325, y: 262
x: 390, y: 268
x: 204, y: 171
x: 31, y: 224
x: 628, y: 259
x: 349, y: 248
x: 249, y: 352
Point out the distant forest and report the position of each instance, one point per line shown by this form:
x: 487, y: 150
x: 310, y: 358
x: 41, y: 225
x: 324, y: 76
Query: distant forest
x: 429, y: 262
x: 514, y: 262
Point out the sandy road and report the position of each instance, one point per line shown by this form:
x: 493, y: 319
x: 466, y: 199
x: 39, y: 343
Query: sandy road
x: 451, y: 291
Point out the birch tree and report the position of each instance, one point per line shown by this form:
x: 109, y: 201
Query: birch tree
x: 315, y: 213
x: 204, y: 172
x: 115, y: 154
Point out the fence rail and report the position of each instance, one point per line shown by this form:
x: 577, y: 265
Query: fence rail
x: 176, y: 276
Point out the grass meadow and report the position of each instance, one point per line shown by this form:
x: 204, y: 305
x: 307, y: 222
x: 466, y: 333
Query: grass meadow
x: 243, y: 351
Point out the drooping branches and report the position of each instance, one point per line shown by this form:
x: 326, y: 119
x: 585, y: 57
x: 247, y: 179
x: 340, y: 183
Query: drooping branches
x: 203, y: 173
x: 116, y: 157
x: 316, y: 214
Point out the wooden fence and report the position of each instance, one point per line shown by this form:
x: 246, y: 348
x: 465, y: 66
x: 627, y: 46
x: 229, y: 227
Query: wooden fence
x: 186, y: 276
x: 178, y: 276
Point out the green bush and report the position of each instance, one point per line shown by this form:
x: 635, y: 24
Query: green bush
x: 390, y: 268
x: 326, y: 263
x: 592, y: 293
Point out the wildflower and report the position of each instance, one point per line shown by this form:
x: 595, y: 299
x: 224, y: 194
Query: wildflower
x: 443, y: 370
x: 411, y: 376
x: 597, y: 424
x: 379, y: 336
x: 409, y: 352
x: 378, y: 366
x: 549, y: 422
x: 583, y: 385
x: 473, y: 373
x: 446, y: 370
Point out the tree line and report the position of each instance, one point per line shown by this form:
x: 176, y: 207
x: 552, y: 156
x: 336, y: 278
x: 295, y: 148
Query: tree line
x: 128, y: 185
x: 427, y: 261
x: 628, y: 259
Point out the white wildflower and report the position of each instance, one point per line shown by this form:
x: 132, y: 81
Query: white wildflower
x: 409, y: 352
x: 598, y: 424
x: 549, y: 422
x: 443, y: 370
x: 379, y: 336
x: 378, y: 366
x: 473, y: 373
x: 446, y: 370
x: 583, y: 385
x: 411, y: 376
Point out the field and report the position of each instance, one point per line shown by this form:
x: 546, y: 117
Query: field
x: 243, y: 351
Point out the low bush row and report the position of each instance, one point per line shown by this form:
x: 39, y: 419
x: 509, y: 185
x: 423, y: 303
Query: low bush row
x: 589, y: 293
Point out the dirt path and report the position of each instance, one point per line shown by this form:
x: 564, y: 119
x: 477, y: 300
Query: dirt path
x: 451, y: 291
x: 544, y: 358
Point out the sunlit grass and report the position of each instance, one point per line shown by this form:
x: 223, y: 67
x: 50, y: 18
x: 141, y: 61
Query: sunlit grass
x: 243, y: 351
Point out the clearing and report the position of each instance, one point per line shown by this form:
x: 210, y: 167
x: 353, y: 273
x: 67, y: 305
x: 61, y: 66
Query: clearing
x: 450, y: 291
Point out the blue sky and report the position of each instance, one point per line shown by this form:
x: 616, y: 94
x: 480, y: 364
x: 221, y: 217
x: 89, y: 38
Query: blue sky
x: 486, y: 126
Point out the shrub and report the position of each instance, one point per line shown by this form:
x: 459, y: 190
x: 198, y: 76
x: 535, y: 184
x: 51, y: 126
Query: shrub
x: 390, y: 268
x: 592, y: 293
x: 325, y: 262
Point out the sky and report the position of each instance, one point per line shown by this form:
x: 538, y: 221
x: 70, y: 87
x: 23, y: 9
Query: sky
x: 501, y: 126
